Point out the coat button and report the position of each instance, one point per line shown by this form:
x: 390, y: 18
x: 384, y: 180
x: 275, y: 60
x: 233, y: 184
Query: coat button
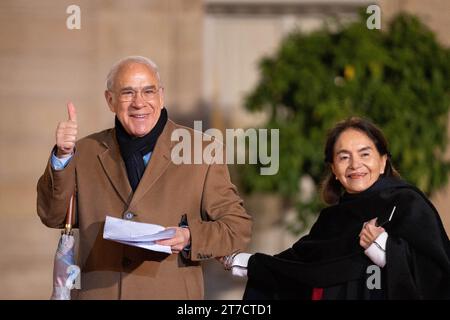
x: 126, y: 262
x: 128, y: 215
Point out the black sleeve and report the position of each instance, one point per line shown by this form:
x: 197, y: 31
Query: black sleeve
x: 417, y: 260
x: 270, y: 278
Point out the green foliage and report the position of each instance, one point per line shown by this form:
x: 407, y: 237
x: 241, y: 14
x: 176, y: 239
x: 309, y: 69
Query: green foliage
x: 399, y: 79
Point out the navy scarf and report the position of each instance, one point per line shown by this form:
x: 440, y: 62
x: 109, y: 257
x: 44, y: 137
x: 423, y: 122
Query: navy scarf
x: 133, y: 149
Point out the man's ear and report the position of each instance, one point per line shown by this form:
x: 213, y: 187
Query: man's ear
x: 109, y: 100
x: 161, y: 97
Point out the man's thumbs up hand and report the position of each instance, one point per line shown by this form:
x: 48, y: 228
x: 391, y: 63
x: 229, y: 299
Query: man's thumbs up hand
x: 66, y: 133
x: 72, y: 111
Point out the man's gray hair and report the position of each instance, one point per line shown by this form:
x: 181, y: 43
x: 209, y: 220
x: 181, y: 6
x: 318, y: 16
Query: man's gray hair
x: 130, y: 59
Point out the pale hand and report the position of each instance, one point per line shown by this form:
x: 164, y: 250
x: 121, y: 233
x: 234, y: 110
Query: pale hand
x: 180, y: 240
x: 66, y: 133
x: 369, y: 233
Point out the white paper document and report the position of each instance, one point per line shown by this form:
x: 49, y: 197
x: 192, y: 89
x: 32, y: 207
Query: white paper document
x: 138, y: 234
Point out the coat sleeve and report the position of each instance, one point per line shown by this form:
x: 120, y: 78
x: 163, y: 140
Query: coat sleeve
x: 54, y: 189
x: 226, y: 226
x: 274, y: 278
x: 417, y: 259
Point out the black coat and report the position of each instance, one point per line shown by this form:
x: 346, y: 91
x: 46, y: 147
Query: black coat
x: 330, y: 257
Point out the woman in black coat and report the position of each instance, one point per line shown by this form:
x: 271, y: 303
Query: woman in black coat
x: 380, y: 238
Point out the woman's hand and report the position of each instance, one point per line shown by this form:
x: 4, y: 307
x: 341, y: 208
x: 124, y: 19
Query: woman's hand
x: 369, y: 233
x: 236, y: 262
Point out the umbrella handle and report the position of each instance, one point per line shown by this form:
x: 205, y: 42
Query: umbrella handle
x: 69, y: 216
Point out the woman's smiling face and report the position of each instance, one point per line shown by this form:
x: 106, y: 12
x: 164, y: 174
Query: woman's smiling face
x: 357, y: 164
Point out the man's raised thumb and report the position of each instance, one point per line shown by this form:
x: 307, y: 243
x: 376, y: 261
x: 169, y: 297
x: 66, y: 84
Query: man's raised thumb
x: 71, y: 111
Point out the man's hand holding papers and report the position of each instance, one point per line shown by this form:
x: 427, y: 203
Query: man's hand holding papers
x: 138, y: 234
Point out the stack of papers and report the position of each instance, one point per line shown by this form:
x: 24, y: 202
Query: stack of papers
x: 137, y: 234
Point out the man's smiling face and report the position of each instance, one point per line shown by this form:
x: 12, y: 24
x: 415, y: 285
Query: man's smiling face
x: 136, y: 98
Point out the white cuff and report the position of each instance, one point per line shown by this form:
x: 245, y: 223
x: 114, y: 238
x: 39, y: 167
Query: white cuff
x: 239, y: 265
x: 377, y: 250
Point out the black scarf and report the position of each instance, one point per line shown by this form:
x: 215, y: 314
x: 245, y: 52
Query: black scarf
x: 133, y: 149
x: 381, y: 184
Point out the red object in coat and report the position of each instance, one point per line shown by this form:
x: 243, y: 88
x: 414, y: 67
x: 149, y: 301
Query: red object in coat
x: 317, y: 294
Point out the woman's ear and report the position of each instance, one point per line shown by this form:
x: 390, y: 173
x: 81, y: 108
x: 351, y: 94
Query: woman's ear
x: 383, y: 161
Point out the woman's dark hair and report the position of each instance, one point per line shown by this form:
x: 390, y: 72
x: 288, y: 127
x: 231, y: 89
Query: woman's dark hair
x: 332, y: 188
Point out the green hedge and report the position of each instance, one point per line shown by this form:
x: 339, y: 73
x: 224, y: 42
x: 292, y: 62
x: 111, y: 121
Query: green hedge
x: 400, y: 79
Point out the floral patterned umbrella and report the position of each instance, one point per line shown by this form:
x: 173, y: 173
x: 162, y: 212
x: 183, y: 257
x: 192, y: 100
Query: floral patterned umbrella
x: 65, y: 271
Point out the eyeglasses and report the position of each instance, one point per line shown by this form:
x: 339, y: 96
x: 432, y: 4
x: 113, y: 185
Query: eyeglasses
x: 147, y: 94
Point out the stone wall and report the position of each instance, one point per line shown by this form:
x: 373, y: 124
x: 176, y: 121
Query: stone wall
x: 207, y: 52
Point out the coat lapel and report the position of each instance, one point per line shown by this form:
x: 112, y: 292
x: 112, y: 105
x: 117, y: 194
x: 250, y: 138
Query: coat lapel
x: 158, y: 164
x: 114, y: 167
